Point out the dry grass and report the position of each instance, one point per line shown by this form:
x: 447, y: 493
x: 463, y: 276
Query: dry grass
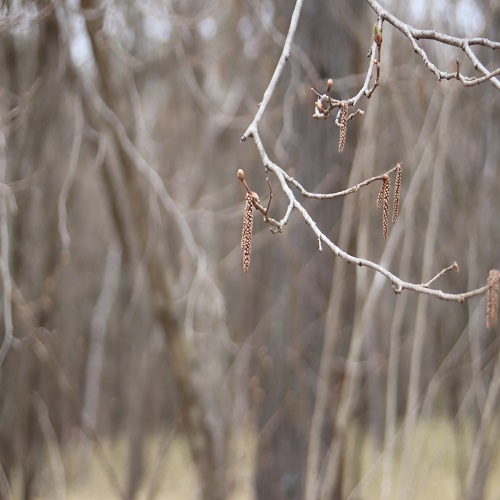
x: 437, y: 464
x: 174, y: 478
x: 436, y: 467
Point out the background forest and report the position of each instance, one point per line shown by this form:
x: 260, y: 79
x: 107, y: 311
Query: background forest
x: 137, y: 359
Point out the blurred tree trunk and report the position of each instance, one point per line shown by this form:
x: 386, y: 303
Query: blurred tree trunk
x: 333, y: 50
x: 193, y: 420
x: 34, y: 274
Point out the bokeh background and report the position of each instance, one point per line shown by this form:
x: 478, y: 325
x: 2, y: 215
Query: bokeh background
x: 138, y: 360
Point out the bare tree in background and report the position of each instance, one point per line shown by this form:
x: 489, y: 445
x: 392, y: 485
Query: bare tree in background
x: 126, y: 313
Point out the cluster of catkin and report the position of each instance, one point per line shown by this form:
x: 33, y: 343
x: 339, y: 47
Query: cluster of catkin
x: 383, y: 199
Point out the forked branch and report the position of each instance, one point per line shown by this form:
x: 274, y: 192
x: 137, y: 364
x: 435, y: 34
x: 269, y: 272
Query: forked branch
x: 464, y: 44
x: 323, y: 107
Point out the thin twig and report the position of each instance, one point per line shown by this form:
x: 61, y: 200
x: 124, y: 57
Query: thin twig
x: 331, y: 196
x: 266, y: 215
x: 454, y: 266
x: 260, y: 207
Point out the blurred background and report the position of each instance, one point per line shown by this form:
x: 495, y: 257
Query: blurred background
x: 138, y: 360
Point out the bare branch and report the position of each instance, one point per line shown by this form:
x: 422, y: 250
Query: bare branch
x: 254, y: 198
x: 331, y: 196
x: 454, y: 266
x: 464, y: 44
x: 277, y: 72
x: 325, y: 103
x: 323, y: 106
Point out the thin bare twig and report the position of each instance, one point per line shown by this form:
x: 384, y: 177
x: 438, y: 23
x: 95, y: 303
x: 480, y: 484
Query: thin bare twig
x: 338, y: 194
x: 454, y: 267
x: 256, y: 200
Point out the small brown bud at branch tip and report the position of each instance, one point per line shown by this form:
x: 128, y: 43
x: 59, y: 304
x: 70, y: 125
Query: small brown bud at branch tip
x: 240, y: 174
x: 329, y: 85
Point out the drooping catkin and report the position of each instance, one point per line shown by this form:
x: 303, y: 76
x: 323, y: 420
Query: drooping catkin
x: 343, y: 126
x: 380, y: 196
x: 387, y: 196
x: 492, y: 299
x: 246, y: 234
x: 397, y: 192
